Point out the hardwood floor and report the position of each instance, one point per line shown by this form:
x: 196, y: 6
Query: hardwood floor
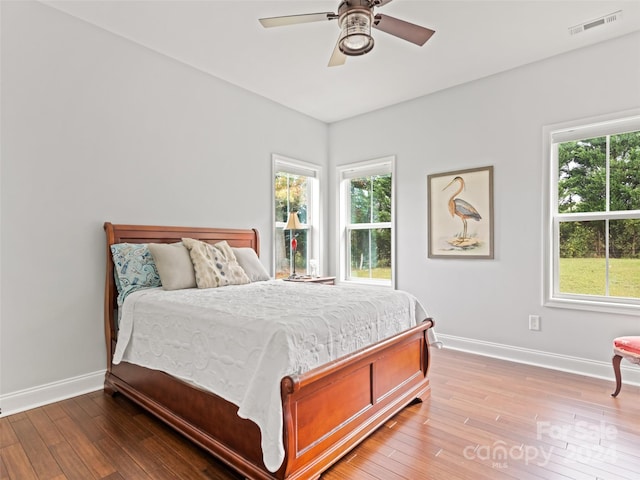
x: 486, y: 419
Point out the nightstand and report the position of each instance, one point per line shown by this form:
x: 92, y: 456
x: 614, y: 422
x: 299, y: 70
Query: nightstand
x: 323, y: 280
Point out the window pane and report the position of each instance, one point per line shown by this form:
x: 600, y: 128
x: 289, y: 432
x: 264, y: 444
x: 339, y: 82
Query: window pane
x: 281, y: 249
x: 582, y: 176
x: 281, y: 188
x: 624, y: 166
x: 360, y: 190
x: 291, y: 195
x: 582, y: 263
x: 371, y: 199
x: 371, y: 253
x: 624, y: 262
x: 302, y: 252
x: 381, y: 205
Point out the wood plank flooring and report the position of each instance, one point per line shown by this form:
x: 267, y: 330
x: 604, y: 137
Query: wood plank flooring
x: 486, y: 419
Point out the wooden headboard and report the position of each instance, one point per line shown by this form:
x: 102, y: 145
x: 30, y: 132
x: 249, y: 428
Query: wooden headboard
x: 159, y: 234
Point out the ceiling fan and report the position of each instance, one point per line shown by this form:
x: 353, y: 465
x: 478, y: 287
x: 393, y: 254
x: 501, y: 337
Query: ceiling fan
x: 355, y: 18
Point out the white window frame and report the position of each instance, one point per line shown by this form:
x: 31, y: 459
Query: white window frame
x: 552, y: 136
x: 281, y: 163
x: 344, y: 174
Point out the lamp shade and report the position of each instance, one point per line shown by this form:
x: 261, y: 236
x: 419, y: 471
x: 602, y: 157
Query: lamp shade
x: 293, y: 223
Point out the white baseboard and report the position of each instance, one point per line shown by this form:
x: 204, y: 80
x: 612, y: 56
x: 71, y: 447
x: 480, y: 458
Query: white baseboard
x: 554, y: 361
x: 29, y: 398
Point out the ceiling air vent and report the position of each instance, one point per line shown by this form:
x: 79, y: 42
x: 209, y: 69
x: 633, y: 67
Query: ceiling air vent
x: 598, y: 22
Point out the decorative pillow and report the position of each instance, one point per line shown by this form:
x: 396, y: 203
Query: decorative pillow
x: 214, y: 265
x: 174, y: 265
x: 251, y: 264
x: 134, y: 268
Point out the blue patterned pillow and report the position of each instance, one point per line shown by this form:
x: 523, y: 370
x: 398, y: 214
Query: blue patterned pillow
x: 134, y: 268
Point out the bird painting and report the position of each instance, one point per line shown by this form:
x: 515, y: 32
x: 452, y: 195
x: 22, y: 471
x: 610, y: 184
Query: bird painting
x: 465, y: 211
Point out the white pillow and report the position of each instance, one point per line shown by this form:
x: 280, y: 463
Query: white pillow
x: 251, y: 264
x: 174, y: 265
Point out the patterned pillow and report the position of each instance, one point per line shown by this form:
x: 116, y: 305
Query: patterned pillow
x: 214, y: 265
x: 134, y: 268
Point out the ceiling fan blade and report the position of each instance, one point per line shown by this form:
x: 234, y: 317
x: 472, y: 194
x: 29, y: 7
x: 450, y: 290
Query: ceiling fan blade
x: 399, y: 28
x: 294, y: 19
x: 337, y: 57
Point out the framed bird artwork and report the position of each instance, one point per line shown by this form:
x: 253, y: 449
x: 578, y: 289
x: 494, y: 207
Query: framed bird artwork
x: 460, y: 214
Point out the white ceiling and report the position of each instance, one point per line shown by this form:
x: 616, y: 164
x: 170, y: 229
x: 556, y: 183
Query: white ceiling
x: 288, y: 65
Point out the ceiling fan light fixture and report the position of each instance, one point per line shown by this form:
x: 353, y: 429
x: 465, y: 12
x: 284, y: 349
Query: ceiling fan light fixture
x: 355, y: 19
x: 355, y: 32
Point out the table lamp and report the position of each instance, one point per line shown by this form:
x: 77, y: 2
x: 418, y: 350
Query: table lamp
x: 293, y: 224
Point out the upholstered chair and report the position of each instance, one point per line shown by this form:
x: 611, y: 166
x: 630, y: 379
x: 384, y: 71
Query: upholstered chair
x: 628, y: 348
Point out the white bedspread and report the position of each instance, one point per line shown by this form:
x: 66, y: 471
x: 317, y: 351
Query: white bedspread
x: 240, y: 341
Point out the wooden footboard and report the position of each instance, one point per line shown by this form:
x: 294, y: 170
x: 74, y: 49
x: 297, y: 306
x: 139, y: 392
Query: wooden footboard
x: 326, y: 412
x: 332, y: 408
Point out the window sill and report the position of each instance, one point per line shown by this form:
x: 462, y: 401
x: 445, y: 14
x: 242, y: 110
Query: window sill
x: 594, y: 306
x: 367, y: 281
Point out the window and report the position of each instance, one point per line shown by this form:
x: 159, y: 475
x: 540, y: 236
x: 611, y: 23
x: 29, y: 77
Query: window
x: 366, y: 222
x: 594, y: 222
x: 296, y: 190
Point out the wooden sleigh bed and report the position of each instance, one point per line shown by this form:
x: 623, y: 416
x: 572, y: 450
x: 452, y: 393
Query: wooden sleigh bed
x: 326, y: 411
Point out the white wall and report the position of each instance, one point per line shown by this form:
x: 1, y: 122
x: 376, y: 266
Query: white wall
x: 97, y: 128
x: 498, y: 121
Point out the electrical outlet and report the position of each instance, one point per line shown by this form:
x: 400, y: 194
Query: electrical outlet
x: 534, y: 322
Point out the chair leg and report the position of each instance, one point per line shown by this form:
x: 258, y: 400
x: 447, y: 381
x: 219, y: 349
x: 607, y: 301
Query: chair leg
x: 616, y: 369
